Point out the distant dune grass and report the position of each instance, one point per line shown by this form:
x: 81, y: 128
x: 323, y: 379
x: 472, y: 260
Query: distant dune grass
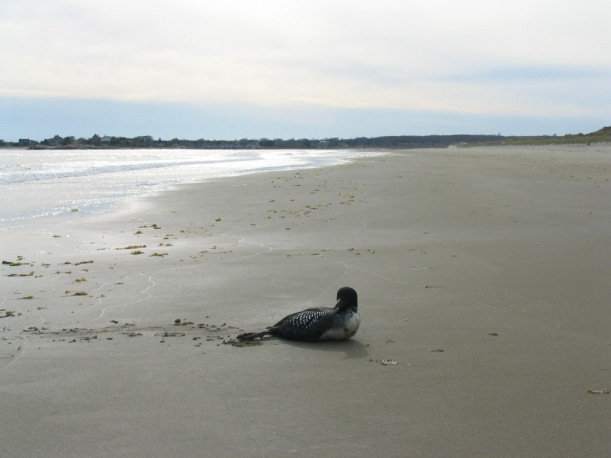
x: 600, y: 136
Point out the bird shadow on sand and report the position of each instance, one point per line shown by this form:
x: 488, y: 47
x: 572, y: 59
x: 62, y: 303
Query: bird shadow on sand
x: 353, y: 349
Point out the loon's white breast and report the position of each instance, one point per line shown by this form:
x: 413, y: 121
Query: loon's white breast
x: 349, y: 328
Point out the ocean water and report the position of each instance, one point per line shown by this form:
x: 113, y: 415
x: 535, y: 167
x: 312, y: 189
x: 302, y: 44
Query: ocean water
x: 54, y: 183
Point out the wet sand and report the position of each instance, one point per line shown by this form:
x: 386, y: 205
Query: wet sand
x: 483, y: 281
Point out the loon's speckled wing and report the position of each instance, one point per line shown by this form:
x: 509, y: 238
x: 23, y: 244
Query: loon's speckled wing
x: 308, y: 324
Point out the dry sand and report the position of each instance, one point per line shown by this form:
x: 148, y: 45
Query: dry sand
x: 483, y: 280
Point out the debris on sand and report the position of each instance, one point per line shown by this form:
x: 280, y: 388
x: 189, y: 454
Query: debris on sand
x: 384, y: 362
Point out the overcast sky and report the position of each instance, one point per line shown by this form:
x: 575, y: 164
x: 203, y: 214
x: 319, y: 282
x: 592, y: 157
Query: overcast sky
x: 292, y: 68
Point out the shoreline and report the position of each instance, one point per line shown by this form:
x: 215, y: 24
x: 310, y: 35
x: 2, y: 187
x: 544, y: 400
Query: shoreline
x: 481, y: 272
x: 54, y: 186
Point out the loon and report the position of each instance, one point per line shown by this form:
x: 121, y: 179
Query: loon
x: 319, y: 323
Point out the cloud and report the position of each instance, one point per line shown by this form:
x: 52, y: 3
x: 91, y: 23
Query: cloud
x: 520, y: 57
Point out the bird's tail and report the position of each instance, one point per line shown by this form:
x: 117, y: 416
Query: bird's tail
x: 252, y: 335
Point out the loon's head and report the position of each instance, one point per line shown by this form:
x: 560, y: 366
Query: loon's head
x: 346, y: 299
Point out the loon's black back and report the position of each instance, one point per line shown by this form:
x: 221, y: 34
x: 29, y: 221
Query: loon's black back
x: 319, y: 323
x: 309, y: 324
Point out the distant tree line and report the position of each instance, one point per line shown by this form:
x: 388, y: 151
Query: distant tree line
x: 398, y: 142
x: 146, y: 141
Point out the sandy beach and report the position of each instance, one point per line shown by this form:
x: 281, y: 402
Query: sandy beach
x: 484, y: 292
